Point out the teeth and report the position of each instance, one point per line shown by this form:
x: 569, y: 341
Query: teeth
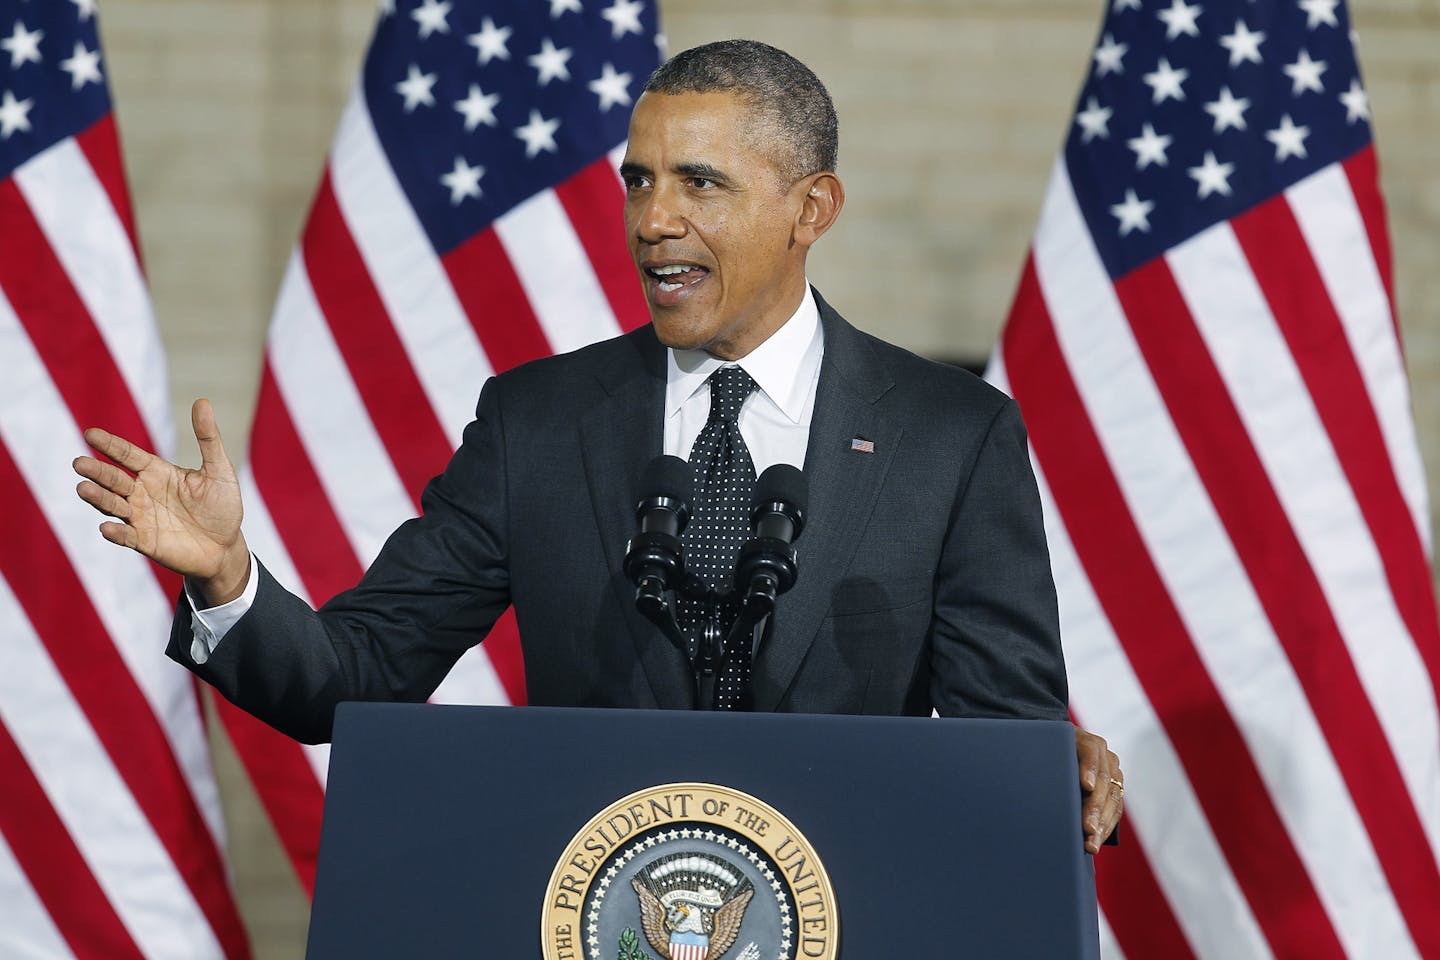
x: 667, y: 271
x: 667, y: 287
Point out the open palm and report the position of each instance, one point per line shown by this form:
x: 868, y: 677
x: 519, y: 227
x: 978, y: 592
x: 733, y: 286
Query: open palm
x: 187, y: 520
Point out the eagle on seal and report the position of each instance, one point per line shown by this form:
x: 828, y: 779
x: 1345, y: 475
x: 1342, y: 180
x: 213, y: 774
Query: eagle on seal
x: 691, y: 906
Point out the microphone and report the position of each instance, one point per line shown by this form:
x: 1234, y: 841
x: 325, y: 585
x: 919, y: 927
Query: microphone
x: 766, y: 567
x: 653, y: 560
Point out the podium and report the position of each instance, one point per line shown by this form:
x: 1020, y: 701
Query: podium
x: 451, y: 832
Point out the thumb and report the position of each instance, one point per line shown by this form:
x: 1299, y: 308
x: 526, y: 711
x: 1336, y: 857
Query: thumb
x: 207, y: 435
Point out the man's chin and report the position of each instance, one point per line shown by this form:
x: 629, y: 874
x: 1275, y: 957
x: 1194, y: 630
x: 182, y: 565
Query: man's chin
x: 675, y: 334
x: 676, y: 343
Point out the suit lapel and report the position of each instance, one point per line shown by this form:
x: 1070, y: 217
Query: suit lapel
x: 618, y: 437
x: 844, y: 484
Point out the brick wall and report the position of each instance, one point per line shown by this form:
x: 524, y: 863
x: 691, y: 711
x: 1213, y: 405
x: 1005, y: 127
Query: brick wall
x: 951, y: 115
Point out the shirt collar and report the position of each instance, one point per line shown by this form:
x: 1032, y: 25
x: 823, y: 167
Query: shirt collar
x: 783, y: 366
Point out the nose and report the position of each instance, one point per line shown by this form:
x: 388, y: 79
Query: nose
x: 657, y: 219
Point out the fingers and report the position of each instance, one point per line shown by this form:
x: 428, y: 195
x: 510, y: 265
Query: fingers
x: 1114, y: 804
x: 1104, y: 805
x: 1104, y: 784
x: 120, y: 533
x: 106, y: 501
x: 1089, y: 750
x: 105, y: 490
x: 105, y: 475
x: 207, y: 435
x: 119, y: 449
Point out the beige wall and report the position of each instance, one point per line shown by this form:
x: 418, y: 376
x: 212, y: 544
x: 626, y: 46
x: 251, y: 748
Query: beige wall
x: 951, y: 113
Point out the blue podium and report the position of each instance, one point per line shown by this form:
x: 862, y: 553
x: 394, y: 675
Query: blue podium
x: 516, y: 833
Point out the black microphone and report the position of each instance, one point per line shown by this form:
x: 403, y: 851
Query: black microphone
x: 653, y: 560
x: 766, y: 567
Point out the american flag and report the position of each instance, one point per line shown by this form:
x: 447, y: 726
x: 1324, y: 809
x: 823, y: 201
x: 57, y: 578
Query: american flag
x: 469, y: 218
x: 1204, y: 348
x: 110, y: 823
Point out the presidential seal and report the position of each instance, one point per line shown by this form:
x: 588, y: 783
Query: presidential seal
x: 689, y: 871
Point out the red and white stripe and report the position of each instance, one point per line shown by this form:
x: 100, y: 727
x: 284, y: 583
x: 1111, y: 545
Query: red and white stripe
x: 1236, y: 514
x: 376, y: 356
x: 111, y: 839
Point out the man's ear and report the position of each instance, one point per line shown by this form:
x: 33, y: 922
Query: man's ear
x: 824, y: 196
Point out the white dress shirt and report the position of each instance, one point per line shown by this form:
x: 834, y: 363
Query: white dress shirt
x: 774, y: 420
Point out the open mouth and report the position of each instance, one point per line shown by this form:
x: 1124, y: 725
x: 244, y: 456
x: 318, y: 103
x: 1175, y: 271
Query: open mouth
x: 676, y: 276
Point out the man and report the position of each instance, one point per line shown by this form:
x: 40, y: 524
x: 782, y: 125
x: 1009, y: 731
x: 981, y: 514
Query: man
x: 925, y: 582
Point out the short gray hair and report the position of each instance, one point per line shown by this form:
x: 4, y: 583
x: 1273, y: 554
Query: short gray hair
x: 797, y: 115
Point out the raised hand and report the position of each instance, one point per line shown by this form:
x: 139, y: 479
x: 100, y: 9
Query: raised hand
x: 186, y: 520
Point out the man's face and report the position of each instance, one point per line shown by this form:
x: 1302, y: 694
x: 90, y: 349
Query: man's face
x: 711, y: 221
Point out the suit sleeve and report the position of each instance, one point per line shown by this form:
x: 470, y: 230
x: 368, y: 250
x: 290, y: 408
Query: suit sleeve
x: 435, y: 589
x: 995, y: 633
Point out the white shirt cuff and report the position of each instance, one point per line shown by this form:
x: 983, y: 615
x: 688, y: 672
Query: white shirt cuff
x: 210, y: 625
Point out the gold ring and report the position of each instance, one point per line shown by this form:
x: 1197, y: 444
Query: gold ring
x: 1120, y: 786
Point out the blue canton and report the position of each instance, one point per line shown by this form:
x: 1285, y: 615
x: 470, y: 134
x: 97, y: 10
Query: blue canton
x: 480, y: 104
x: 1195, y: 112
x: 52, y: 77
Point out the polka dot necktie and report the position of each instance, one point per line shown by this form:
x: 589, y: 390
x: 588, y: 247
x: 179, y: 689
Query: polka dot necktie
x: 724, y: 484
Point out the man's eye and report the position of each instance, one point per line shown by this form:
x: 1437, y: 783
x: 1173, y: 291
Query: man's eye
x: 634, y: 183
x: 701, y: 183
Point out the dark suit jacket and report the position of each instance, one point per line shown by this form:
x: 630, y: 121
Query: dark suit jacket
x: 924, y: 578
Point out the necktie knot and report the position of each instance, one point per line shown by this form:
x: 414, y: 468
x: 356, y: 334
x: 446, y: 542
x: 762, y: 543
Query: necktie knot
x: 729, y: 388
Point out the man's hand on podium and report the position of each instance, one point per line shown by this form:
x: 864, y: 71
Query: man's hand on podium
x: 1103, y: 786
x: 186, y: 520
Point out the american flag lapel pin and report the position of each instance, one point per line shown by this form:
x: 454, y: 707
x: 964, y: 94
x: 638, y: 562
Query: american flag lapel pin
x: 862, y: 446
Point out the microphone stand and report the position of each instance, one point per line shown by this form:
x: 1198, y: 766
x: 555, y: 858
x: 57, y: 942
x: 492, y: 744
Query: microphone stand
x: 711, y: 650
x: 710, y: 647
x: 709, y: 656
x: 653, y: 603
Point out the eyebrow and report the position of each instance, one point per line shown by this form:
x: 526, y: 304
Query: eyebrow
x: 703, y: 170
x: 689, y: 169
